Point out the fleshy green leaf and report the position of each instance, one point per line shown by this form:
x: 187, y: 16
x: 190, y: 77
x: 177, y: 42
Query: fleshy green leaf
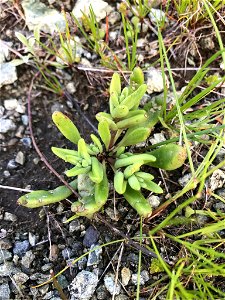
x: 135, y: 136
x: 66, y: 127
x: 115, y: 85
x: 104, y: 132
x: 137, y: 76
x: 63, y: 153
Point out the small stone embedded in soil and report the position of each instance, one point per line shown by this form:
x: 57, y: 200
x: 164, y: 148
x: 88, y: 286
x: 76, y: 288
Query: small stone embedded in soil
x: 7, y: 74
x: 46, y: 267
x: 10, y: 104
x: 37, y: 14
x: 217, y: 180
x: 6, y: 125
x: 94, y: 256
x: 7, y: 269
x: 5, y: 255
x: 91, y: 237
x: 20, y: 278
x: 74, y: 226
x: 20, y: 248
x: 54, y: 252
x: 185, y: 179
x: 157, y: 15
x: 20, y: 158
x: 144, y: 277
x: 71, y: 88
x: 5, y: 244
x: 4, y: 50
x: 10, y: 217
x: 101, y: 8
x: 154, y: 201
x: 26, y: 142
x: 83, y: 286
x: 157, y: 138
x: 4, y: 291
x: 125, y: 275
x: 109, y: 281
x: 24, y: 119
x: 154, y: 80
x: 2, y: 109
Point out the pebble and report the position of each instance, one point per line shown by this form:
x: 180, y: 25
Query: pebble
x: 10, y: 217
x: 6, y: 174
x: 109, y: 281
x: 46, y: 267
x: 63, y: 281
x: 91, y: 237
x: 4, y: 291
x: 12, y: 142
x: 20, y: 278
x: 20, y: 158
x: 4, y: 50
x: 83, y: 286
x: 20, y: 248
x: 154, y: 201
x: 74, y: 226
x: 114, y: 17
x: 37, y: 14
x: 12, y: 164
x: 7, y: 269
x: 11, y: 104
x: 5, y: 255
x: 157, y: 138
x: 71, y: 87
x: 54, y: 252
x: 25, y: 120
x: 6, y: 125
x: 154, y: 80
x: 82, y: 263
x: 157, y: 16
x: 144, y: 277
x: 101, y: 8
x: 36, y: 160
x: 26, y: 142
x: 32, y: 239
x: 67, y: 253
x: 184, y: 180
x: 217, y: 180
x: 101, y: 292
x: 5, y: 244
x: 7, y: 74
x: 207, y: 43
x: 94, y: 256
x: 21, y: 108
x: 125, y: 275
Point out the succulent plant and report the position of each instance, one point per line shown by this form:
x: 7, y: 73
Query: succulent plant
x: 124, y: 126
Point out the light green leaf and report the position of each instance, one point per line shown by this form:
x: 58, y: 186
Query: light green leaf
x: 115, y: 85
x: 104, y: 132
x: 135, y: 136
x: 66, y: 127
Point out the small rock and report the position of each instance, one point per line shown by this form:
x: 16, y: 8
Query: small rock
x: 102, y: 293
x: 7, y: 74
x: 26, y: 142
x: 71, y: 88
x: 91, y: 237
x: 109, y: 281
x: 27, y: 259
x: 20, y: 278
x: 63, y: 281
x: 154, y: 201
x: 4, y: 50
x: 157, y: 138
x: 217, y: 180
x: 36, y: 160
x: 219, y: 206
x: 10, y: 104
x: 10, y: 217
x: 74, y: 226
x: 20, y: 248
x: 46, y: 267
x: 125, y: 275
x: 207, y: 43
x: 83, y: 286
x: 112, y: 213
x: 57, y: 107
x: 154, y: 81
x: 144, y: 277
x: 20, y: 108
x: 32, y: 239
x: 19, y: 132
x: 157, y: 16
x: 114, y: 17
x: 12, y: 164
x: 37, y: 14
x: 184, y: 180
x: 82, y: 263
x: 101, y: 8
x: 20, y: 158
x: 94, y: 256
x: 24, y: 119
x: 4, y: 291
x: 4, y: 255
x: 67, y: 253
x: 5, y: 244
x: 7, y: 269
x: 6, y: 125
x: 123, y: 297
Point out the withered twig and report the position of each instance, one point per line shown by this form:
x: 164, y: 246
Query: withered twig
x: 128, y: 238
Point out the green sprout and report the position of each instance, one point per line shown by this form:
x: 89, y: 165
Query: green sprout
x: 120, y: 131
